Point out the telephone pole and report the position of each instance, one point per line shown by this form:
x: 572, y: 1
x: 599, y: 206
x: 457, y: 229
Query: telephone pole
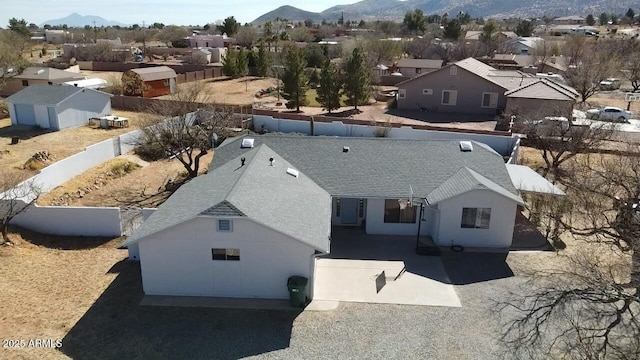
x: 95, y: 32
x: 144, y: 41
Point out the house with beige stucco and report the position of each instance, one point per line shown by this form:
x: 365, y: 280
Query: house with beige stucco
x: 470, y: 86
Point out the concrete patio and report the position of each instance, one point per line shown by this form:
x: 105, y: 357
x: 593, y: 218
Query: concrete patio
x: 352, y: 272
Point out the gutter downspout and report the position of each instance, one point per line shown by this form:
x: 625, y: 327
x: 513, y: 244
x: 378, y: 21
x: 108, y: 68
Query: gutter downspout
x: 420, y: 224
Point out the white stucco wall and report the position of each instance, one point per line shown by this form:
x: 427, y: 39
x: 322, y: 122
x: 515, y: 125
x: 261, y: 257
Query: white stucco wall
x: 78, y: 109
x: 71, y: 220
x: 42, y: 116
x: 178, y: 261
x: 500, y: 231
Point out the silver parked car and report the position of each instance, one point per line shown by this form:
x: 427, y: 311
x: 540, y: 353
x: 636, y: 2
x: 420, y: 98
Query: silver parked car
x: 609, y: 113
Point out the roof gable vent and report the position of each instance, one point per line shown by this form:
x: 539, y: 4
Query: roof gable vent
x: 247, y: 143
x: 466, y: 146
x: 293, y: 172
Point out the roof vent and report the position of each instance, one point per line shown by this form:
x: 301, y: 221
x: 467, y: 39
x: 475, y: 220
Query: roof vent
x: 247, y: 143
x: 345, y: 149
x: 466, y: 146
x: 293, y: 172
x: 40, y: 71
x: 271, y: 160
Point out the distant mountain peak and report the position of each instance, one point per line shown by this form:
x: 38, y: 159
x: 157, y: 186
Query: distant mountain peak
x: 76, y: 20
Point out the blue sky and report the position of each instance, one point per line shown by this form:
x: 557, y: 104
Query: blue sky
x: 194, y: 12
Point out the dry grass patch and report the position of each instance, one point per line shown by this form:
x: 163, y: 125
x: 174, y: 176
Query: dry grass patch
x: 44, y: 290
x: 60, y: 144
x: 240, y: 91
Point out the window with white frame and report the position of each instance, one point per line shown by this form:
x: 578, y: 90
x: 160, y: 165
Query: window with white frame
x: 476, y: 218
x: 489, y: 100
x: 225, y: 254
x: 449, y: 97
x: 453, y: 70
x: 427, y: 91
x: 225, y: 225
x: 402, y: 93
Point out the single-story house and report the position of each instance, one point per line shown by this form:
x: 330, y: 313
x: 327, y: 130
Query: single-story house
x: 149, y: 81
x: 415, y: 67
x: 524, y: 45
x: 266, y: 207
x: 38, y: 75
x: 509, y: 61
x: 474, y: 35
x: 210, y: 41
x: 542, y: 98
x: 570, y: 20
x: 57, y: 36
x: 468, y: 86
x: 203, y: 54
x: 57, y: 107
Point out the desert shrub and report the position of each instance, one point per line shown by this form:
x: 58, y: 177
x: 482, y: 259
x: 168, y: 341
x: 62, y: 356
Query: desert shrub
x: 121, y: 168
x: 150, y: 152
x: 4, y: 110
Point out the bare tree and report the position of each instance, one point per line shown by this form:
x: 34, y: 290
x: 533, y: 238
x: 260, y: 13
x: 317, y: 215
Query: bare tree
x: 586, y: 75
x: 587, y: 307
x: 246, y: 36
x: 12, y: 47
x: 185, y: 127
x: 15, y: 197
x: 558, y: 140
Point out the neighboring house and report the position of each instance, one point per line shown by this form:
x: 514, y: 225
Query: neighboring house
x: 210, y: 41
x: 415, y: 67
x: 265, y: 209
x: 57, y: 36
x: 149, y: 81
x: 203, y: 55
x: 509, y: 61
x: 570, y: 20
x: 467, y: 86
x: 524, y: 45
x: 474, y: 35
x: 57, y: 107
x: 38, y: 75
x: 572, y: 29
x: 542, y: 98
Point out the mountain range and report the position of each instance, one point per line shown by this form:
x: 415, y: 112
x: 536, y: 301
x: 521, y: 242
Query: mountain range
x: 396, y: 9
x: 77, y: 20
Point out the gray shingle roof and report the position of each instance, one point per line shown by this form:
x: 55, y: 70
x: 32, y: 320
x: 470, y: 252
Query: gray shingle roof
x: 296, y: 207
x: 374, y: 167
x: 46, y: 94
x: 466, y: 180
x: 155, y: 73
x: 46, y: 73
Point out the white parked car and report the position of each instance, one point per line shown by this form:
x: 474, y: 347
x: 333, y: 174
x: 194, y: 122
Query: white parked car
x: 609, y: 113
x: 610, y: 84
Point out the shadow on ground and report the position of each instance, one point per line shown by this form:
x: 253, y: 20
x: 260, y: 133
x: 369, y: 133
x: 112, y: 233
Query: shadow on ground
x: 23, y: 132
x: 439, y: 117
x: 61, y: 242
x: 457, y: 268
x: 117, y: 327
x: 526, y: 236
x: 474, y: 267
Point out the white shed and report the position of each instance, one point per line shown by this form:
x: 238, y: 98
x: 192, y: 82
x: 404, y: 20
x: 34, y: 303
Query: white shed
x: 57, y: 107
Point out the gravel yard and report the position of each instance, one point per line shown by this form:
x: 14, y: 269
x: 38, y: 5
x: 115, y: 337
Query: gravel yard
x: 89, y: 298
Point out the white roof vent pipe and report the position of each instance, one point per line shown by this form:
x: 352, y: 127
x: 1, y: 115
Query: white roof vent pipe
x: 293, y: 172
x: 466, y: 146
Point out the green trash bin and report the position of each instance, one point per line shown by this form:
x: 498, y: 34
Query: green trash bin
x: 296, y: 286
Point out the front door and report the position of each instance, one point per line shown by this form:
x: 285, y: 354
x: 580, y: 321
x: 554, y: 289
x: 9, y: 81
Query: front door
x: 349, y: 211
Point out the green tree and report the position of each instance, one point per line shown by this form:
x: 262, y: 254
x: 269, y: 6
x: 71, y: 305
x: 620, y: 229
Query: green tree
x: 329, y: 90
x: 604, y: 18
x: 488, y: 32
x: 242, y: 63
x: 415, y: 21
x: 263, y: 61
x: 357, y: 82
x: 525, y: 28
x: 452, y: 29
x: 229, y: 26
x: 19, y: 26
x: 294, y: 80
x: 314, y: 55
x: 590, y: 20
x: 229, y: 64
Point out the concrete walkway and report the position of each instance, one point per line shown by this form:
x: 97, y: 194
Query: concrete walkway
x: 360, y: 280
